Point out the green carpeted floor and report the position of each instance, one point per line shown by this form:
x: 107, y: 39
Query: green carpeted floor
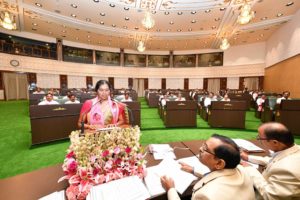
x: 17, y: 157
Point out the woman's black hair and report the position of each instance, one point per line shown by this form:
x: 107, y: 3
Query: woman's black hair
x: 102, y: 82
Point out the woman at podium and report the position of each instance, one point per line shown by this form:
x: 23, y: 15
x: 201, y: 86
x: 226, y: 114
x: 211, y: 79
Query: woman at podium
x: 102, y: 111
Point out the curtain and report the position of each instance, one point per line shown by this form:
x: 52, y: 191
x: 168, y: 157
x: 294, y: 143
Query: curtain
x: 213, y: 85
x: 251, y: 83
x: 15, y: 85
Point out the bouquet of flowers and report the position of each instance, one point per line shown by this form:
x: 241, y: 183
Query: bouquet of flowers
x: 96, y: 158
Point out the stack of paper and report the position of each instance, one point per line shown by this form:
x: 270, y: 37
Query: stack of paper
x: 194, y: 162
x: 171, y: 168
x: 128, y: 188
x: 161, y: 151
x: 55, y: 196
x: 247, y: 146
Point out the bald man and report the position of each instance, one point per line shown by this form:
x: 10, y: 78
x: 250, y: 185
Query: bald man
x: 281, y: 178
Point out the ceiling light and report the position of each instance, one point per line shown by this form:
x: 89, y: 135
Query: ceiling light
x: 193, y: 12
x: 179, y: 13
x: 207, y: 11
x: 102, y: 22
x: 224, y: 44
x: 73, y: 5
x: 141, y: 46
x: 279, y: 14
x: 217, y: 19
x: 222, y: 9
x: 290, y: 3
x: 34, y: 24
x: 112, y: 5
x: 166, y: 13
x: 193, y: 21
x: 190, y: 29
x: 178, y: 30
x: 126, y: 18
x: 153, y: 12
x: 126, y: 8
x: 171, y: 22
x: 73, y: 15
x: 246, y: 14
x: 96, y: 1
x: 8, y: 21
x: 113, y: 25
x: 148, y: 22
x: 88, y: 19
x: 102, y: 14
x: 263, y: 18
x: 125, y: 27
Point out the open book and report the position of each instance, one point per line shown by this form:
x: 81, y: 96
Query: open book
x: 171, y: 168
x: 247, y: 146
x: 161, y: 151
x: 128, y: 188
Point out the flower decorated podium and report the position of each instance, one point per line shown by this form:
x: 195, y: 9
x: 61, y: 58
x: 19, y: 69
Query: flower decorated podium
x: 100, y: 157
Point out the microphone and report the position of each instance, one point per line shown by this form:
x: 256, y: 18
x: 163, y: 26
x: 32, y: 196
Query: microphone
x: 84, y: 115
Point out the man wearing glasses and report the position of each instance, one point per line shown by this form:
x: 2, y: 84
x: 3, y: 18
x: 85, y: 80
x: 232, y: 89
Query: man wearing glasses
x: 281, y: 178
x: 226, y: 181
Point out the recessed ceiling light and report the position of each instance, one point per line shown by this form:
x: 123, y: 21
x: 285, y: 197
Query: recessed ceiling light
x: 263, y: 18
x: 193, y: 12
x: 279, y: 14
x: 166, y: 13
x: 290, y: 3
x: 171, y: 22
x: 193, y: 21
x: 102, y: 14
x: 96, y: 1
x: 63, y: 31
x: 261, y: 35
x: 34, y: 24
x: 126, y: 8
x: 73, y: 15
x: 222, y: 9
x: 213, y: 27
x: 73, y: 5
x: 127, y: 18
x: 38, y: 4
x: 113, y: 25
x: 102, y: 22
x: 207, y: 11
x: 190, y: 29
x: 180, y: 13
x: 88, y: 19
x: 125, y: 27
x: 88, y: 36
x: 136, y: 28
x: 217, y: 19
x: 257, y: 39
x: 112, y: 5
x: 168, y: 30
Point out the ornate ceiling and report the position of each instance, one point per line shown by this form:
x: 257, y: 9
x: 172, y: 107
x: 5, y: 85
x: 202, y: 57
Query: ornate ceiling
x: 179, y: 24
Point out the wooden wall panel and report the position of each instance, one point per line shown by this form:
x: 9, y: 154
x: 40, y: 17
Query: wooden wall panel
x: 186, y: 83
x: 31, y: 77
x: 163, y: 83
x: 89, y: 80
x: 63, y: 81
x: 241, y: 83
x: 146, y: 83
x: 284, y: 76
x: 223, y: 83
x: 130, y: 82
x: 111, y: 80
x: 1, y: 81
x: 205, y: 83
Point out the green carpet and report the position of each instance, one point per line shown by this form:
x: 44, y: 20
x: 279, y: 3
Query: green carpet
x: 17, y: 157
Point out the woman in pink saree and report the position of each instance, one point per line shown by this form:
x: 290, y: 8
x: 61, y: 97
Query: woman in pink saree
x: 102, y: 111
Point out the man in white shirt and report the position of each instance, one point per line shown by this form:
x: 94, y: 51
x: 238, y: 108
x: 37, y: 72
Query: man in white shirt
x: 49, y: 100
x: 38, y: 91
x: 126, y: 98
x: 72, y: 99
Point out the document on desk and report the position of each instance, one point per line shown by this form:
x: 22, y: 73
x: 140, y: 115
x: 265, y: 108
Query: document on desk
x: 54, y: 196
x: 194, y: 162
x: 171, y: 168
x: 161, y: 151
x: 247, y: 145
x: 128, y: 188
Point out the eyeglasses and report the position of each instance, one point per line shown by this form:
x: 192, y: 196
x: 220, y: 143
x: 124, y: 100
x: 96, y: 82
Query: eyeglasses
x: 259, y: 138
x: 204, y: 148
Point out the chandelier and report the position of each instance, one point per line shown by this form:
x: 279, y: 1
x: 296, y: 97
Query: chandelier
x: 225, y: 44
x: 148, y: 22
x: 8, y: 21
x: 246, y: 14
x: 141, y: 46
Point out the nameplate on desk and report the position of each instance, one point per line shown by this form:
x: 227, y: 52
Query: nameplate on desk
x: 228, y: 104
x: 181, y: 104
x: 59, y: 109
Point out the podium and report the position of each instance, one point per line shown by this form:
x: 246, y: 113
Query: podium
x: 227, y: 114
x: 53, y: 122
x: 289, y: 115
x: 180, y: 114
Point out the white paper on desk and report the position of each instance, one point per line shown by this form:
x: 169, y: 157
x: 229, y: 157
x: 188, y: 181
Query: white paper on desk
x: 161, y: 151
x: 171, y: 168
x: 247, y: 146
x: 128, y: 188
x: 55, y: 196
x: 195, y: 162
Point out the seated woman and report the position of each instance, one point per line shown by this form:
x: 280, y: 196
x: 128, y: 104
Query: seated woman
x: 101, y: 111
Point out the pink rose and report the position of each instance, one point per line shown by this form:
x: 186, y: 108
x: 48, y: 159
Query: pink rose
x: 105, y: 153
x: 117, y: 150
x: 128, y: 150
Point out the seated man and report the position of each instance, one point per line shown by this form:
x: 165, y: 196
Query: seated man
x: 72, y: 99
x: 226, y: 181
x: 281, y: 178
x: 126, y: 98
x: 180, y: 97
x: 225, y: 98
x: 285, y: 96
x: 49, y: 100
x: 38, y: 91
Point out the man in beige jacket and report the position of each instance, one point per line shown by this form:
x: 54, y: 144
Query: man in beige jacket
x: 226, y: 181
x: 281, y: 178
